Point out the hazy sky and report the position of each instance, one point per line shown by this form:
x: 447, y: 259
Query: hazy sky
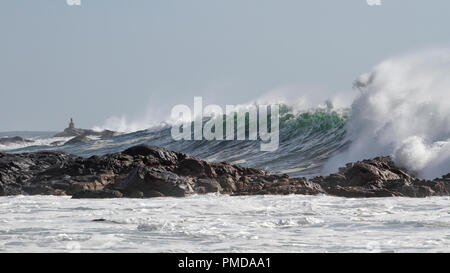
x: 138, y: 58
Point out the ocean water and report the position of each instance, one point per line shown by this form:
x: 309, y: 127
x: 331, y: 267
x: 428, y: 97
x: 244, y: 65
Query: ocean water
x: 307, y: 140
x: 220, y: 223
x: 399, y: 92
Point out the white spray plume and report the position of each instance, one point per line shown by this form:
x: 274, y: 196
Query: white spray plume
x: 123, y: 125
x: 403, y: 111
x: 151, y: 118
x: 305, y: 98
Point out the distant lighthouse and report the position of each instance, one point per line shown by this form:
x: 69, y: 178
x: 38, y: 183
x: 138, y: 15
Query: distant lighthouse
x: 71, y: 124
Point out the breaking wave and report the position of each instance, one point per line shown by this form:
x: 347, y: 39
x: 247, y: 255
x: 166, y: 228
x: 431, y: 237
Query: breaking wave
x: 307, y: 140
x: 404, y: 111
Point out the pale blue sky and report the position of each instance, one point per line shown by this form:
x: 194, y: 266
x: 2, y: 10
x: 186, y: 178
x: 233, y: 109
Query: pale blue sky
x: 118, y: 57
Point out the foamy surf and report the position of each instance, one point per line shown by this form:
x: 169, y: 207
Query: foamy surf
x: 219, y: 223
x: 404, y: 111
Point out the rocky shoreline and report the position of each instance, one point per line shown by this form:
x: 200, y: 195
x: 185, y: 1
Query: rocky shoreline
x: 77, y: 135
x: 14, y: 140
x: 144, y: 171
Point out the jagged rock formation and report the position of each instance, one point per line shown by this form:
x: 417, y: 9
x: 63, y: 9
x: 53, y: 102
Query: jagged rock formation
x: 379, y: 177
x: 143, y: 171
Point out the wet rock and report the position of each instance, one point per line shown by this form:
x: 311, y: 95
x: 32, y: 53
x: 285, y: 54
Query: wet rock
x: 361, y: 173
x: 379, y: 177
x: 78, y: 139
x: 105, y: 134
x: 97, y: 194
x: 209, y: 185
x: 149, y: 180
x: 153, y: 155
x: 227, y: 183
x: 14, y: 140
x: 42, y: 190
x: 143, y: 171
x: 191, y: 166
x: 71, y: 131
x: 149, y: 194
x: 57, y: 143
x: 360, y: 192
x: 143, y: 150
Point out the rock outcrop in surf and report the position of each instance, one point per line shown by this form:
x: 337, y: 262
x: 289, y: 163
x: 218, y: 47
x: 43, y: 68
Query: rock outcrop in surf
x: 144, y: 171
x: 380, y: 177
x: 14, y: 140
x: 72, y: 131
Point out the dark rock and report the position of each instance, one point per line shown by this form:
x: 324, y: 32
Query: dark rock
x: 14, y: 140
x: 191, y: 166
x: 379, y: 177
x: 361, y: 173
x: 57, y: 143
x: 105, y: 134
x: 143, y: 171
x: 42, y: 190
x: 78, y: 139
x: 153, y: 155
x: 143, y: 150
x: 150, y: 193
x: 97, y: 194
x: 71, y: 131
x: 209, y: 185
x: 227, y: 183
x: 359, y: 192
x: 153, y: 182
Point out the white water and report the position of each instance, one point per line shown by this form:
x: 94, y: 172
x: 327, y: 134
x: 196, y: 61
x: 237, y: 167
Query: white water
x: 36, y: 142
x: 38, y: 139
x: 403, y: 111
x: 215, y: 223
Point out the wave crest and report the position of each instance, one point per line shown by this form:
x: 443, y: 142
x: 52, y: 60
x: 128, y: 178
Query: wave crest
x: 404, y: 111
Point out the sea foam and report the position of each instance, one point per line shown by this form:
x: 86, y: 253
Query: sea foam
x: 403, y: 110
